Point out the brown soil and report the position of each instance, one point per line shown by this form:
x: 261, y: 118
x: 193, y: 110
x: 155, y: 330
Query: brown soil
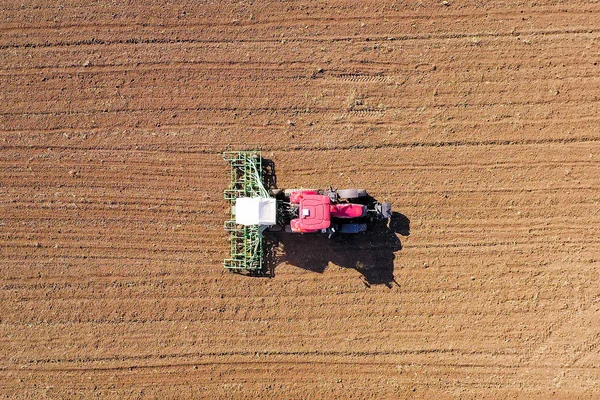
x: 478, y: 122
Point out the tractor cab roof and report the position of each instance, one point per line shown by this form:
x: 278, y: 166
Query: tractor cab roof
x: 313, y: 214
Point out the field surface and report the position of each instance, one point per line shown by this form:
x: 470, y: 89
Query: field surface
x: 477, y: 120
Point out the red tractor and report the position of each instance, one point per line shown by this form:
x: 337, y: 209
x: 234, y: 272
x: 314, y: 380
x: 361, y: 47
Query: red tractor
x: 329, y: 211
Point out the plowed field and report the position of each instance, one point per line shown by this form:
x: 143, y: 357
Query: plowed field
x: 479, y: 122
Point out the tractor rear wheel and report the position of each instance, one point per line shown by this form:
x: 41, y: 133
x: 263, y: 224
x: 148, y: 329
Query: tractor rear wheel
x: 351, y: 193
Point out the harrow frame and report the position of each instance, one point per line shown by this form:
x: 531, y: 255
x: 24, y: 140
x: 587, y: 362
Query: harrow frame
x: 246, y: 243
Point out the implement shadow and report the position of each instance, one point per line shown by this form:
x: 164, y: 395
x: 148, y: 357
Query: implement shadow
x: 371, y: 253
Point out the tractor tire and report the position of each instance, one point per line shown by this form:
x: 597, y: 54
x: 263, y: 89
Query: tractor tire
x: 352, y: 228
x: 351, y: 193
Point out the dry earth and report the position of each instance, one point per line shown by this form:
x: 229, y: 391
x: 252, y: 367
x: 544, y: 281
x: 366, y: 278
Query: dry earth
x: 477, y: 120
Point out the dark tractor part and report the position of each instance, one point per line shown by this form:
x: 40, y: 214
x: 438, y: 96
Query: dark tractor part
x: 384, y: 210
x: 275, y: 228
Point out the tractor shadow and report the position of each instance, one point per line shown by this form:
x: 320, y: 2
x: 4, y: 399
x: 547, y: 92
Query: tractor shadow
x: 371, y: 253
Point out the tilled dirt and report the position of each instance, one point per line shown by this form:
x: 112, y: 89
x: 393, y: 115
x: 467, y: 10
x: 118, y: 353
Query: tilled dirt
x: 478, y: 122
